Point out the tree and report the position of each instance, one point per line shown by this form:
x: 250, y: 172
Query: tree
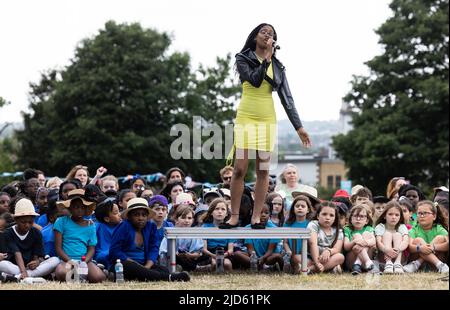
x: 115, y: 103
x: 400, y: 111
x: 3, y: 102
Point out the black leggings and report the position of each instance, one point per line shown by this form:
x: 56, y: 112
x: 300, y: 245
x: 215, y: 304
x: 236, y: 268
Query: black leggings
x: 191, y: 264
x: 135, y: 271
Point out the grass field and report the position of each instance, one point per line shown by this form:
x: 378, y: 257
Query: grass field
x: 248, y: 281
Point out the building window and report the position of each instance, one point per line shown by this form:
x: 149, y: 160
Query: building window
x: 330, y: 181
x: 338, y: 181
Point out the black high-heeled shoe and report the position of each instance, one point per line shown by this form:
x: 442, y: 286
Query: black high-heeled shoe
x: 258, y: 226
x: 228, y: 226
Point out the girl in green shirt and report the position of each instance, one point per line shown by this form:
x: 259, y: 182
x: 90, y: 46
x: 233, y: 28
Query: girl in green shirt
x: 359, y: 240
x: 429, y: 238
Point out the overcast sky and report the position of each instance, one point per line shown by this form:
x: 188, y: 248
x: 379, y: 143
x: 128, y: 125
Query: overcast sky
x: 323, y: 42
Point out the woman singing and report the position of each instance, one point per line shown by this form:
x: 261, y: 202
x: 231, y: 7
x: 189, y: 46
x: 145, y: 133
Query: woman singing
x: 260, y: 73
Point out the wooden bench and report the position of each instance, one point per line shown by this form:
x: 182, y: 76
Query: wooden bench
x: 173, y: 233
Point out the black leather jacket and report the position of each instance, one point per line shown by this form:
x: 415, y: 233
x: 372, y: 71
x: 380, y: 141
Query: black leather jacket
x: 254, y: 72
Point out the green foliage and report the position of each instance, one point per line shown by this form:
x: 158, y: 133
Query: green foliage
x: 400, y: 119
x: 3, y: 102
x: 115, y: 103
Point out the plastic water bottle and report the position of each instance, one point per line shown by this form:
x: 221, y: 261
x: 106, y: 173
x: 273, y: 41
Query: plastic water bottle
x: 163, y: 259
x: 287, y: 262
x: 253, y: 262
x: 83, y: 270
x: 35, y: 280
x: 219, y: 260
x: 119, y: 271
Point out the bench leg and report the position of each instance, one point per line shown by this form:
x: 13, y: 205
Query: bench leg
x: 304, y: 256
x: 171, y: 244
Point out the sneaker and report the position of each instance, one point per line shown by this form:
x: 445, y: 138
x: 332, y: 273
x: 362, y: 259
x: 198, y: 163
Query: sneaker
x: 398, y: 268
x: 375, y: 270
x: 411, y: 267
x: 4, y: 278
x: 389, y: 267
x: 356, y: 269
x: 180, y: 276
x: 370, y: 266
x: 442, y: 268
x: 337, y: 269
x: 205, y: 268
x: 276, y: 267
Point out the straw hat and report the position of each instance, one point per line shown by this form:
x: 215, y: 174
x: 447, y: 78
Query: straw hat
x: 24, y: 207
x: 356, y: 188
x: 185, y: 199
x: 138, y: 203
x: 80, y: 195
x: 307, y: 191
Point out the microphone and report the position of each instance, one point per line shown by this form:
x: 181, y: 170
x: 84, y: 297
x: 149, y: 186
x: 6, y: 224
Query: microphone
x: 277, y: 47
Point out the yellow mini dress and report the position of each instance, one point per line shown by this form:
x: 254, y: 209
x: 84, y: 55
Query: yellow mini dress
x: 256, y: 121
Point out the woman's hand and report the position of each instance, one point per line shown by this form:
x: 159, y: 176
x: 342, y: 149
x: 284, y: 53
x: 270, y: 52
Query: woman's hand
x: 269, y: 50
x: 304, y: 137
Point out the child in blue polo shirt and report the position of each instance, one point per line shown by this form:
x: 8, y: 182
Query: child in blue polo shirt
x: 134, y: 243
x: 108, y: 217
x: 76, y: 237
x: 265, y: 249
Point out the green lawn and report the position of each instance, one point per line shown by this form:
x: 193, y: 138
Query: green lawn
x: 266, y: 281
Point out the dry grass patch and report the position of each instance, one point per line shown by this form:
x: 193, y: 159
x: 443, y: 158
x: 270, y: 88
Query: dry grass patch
x: 248, y: 281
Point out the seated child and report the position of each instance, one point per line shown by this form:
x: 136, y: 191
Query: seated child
x: 265, y: 249
x: 76, y: 237
x: 25, y: 256
x: 326, y: 240
x: 428, y: 240
x: 48, y: 236
x: 392, y: 237
x: 217, y: 214
x: 108, y: 217
x: 134, y: 243
x: 158, y: 204
x: 298, y: 218
x: 359, y: 240
x: 189, y: 251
